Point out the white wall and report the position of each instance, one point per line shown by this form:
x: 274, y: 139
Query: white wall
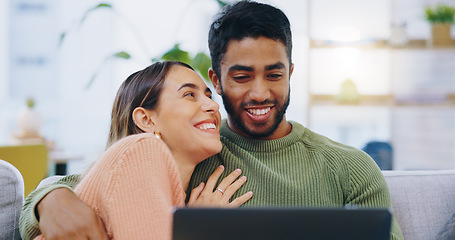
x: 4, y: 21
x: 3, y: 65
x: 187, y: 22
x: 76, y: 118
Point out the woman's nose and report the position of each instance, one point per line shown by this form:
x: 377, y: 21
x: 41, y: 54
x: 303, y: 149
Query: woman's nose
x: 210, y: 106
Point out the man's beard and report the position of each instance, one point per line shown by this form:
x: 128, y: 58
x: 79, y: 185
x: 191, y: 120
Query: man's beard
x: 239, y: 124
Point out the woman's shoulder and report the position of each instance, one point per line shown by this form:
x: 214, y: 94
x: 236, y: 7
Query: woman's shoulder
x: 135, y: 147
x: 138, y: 139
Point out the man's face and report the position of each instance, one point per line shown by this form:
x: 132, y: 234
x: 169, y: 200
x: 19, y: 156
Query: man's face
x: 254, y: 85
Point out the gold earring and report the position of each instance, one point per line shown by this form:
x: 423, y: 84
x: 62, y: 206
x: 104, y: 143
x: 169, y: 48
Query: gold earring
x: 157, y: 135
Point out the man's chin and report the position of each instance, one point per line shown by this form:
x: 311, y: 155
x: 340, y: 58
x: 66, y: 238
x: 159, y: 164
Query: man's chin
x: 259, y: 130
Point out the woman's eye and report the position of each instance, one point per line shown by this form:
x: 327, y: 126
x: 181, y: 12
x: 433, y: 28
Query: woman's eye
x: 188, y: 94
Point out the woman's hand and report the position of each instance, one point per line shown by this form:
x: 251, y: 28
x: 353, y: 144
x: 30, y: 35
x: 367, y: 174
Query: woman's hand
x: 206, y: 195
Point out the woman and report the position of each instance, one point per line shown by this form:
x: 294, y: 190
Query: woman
x: 163, y: 124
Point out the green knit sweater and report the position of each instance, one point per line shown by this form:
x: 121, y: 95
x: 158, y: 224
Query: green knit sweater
x: 300, y: 169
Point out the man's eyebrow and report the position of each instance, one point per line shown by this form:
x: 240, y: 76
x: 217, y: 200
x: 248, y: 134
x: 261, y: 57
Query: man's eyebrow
x: 190, y: 85
x: 240, y: 68
x: 278, y: 65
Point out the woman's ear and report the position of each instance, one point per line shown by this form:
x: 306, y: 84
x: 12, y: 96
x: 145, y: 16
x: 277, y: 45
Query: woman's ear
x: 143, y: 120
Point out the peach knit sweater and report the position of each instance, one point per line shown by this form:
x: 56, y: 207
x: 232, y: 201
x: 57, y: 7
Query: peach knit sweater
x: 133, y: 188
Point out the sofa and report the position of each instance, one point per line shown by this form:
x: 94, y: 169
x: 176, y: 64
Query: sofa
x: 423, y: 202
x: 11, y: 200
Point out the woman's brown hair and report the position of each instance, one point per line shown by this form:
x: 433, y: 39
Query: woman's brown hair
x: 140, y: 89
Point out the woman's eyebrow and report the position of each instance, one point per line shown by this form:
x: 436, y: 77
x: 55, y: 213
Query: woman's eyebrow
x: 194, y: 86
x: 190, y: 85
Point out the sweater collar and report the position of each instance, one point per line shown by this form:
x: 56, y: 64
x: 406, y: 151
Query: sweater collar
x: 249, y: 144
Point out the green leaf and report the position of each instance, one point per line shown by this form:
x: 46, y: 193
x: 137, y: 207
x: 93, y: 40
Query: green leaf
x: 62, y: 37
x: 30, y: 102
x: 440, y: 13
x: 122, y: 54
x: 104, y: 5
x: 101, y: 5
x: 221, y: 3
x: 201, y: 62
x: 177, y: 54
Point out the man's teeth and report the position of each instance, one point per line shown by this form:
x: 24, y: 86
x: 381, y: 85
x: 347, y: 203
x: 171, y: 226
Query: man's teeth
x: 206, y: 126
x: 259, y: 111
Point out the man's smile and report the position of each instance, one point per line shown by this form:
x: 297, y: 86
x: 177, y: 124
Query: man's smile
x: 258, y: 111
x: 259, y: 114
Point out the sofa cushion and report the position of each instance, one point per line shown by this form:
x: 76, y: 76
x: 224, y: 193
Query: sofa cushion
x: 423, y: 201
x: 11, y: 200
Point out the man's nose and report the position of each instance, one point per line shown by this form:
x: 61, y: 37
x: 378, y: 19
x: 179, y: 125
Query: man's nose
x: 259, y: 90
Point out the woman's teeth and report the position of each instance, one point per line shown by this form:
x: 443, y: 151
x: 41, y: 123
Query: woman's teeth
x: 206, y: 126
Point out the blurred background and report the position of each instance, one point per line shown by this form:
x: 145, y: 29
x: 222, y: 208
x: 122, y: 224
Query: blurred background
x: 368, y: 73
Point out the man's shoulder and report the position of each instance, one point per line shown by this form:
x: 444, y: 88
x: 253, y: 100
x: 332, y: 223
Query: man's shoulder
x: 345, y: 160
x: 332, y: 150
x: 302, y: 138
x: 318, y: 142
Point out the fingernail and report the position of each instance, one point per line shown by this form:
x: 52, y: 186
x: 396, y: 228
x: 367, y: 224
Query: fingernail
x: 243, y: 178
x: 238, y: 170
x: 221, y: 166
x: 250, y: 193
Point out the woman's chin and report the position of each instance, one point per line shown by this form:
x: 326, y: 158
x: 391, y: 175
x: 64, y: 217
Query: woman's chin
x: 212, y: 150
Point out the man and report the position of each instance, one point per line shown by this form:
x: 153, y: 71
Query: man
x: 286, y: 164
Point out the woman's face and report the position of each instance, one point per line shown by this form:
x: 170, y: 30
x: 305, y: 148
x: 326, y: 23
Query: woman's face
x: 186, y: 116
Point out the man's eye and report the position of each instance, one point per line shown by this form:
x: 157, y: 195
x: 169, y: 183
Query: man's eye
x: 275, y: 76
x: 240, y: 77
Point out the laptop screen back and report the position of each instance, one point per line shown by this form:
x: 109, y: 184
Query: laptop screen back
x: 281, y: 223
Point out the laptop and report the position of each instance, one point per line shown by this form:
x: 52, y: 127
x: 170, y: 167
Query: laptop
x: 281, y: 223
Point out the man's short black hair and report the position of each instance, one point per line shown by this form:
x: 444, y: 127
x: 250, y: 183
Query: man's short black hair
x: 247, y: 19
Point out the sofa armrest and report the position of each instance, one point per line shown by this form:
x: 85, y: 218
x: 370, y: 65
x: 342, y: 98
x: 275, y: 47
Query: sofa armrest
x: 11, y: 200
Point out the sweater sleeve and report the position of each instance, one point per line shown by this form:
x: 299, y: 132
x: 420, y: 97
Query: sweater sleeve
x: 28, y: 222
x: 133, y: 188
x: 368, y: 187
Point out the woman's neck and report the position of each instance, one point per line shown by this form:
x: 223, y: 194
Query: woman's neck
x: 186, y: 167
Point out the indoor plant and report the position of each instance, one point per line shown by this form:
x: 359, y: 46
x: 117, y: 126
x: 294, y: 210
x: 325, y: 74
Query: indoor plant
x: 441, y: 17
